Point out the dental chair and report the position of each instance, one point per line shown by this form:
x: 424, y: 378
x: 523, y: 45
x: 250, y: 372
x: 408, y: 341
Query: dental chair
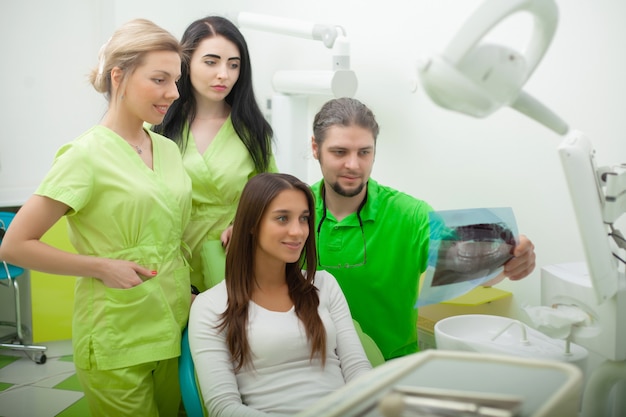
x: 192, y: 399
x: 9, y: 275
x: 374, y: 354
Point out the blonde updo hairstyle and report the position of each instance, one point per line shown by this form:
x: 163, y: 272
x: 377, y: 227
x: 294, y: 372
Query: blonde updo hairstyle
x: 126, y: 49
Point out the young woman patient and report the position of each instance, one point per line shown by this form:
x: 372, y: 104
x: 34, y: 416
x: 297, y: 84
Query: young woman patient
x: 272, y: 338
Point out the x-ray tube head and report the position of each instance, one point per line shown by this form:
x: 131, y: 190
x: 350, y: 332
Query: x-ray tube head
x: 340, y: 83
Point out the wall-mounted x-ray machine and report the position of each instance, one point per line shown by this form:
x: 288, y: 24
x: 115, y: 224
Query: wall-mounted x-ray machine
x: 477, y: 78
x: 289, y: 106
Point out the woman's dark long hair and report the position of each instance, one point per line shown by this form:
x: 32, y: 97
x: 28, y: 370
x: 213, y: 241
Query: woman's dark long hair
x: 257, y: 195
x: 251, y: 127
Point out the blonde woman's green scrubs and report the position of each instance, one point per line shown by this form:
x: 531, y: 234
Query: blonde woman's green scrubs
x: 126, y: 341
x: 218, y: 177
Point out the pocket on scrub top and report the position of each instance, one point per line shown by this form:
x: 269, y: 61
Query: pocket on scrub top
x: 137, y: 316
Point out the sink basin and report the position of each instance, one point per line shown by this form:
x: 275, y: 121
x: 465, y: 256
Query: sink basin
x: 502, y: 335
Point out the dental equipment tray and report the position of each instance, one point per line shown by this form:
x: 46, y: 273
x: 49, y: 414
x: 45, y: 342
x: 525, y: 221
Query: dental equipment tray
x: 410, y: 400
x: 505, y: 386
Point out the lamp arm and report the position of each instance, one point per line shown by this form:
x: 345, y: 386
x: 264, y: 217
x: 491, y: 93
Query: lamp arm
x: 533, y: 108
x: 291, y: 27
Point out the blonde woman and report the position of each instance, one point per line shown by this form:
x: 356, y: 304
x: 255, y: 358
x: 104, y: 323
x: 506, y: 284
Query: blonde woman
x: 127, y: 200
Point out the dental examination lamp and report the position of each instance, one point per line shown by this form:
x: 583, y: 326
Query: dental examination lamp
x: 289, y: 107
x: 479, y: 78
x: 476, y: 79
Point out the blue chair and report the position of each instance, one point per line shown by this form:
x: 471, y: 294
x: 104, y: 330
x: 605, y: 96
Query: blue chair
x: 192, y: 399
x: 9, y: 275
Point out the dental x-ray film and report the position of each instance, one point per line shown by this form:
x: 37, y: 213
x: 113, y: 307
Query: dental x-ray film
x: 468, y: 248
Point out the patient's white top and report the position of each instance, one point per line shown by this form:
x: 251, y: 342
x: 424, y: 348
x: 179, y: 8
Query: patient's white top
x: 284, y: 380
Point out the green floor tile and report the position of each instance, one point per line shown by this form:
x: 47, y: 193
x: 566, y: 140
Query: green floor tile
x: 70, y: 384
x: 4, y: 385
x: 6, y: 360
x: 78, y: 409
x: 67, y: 358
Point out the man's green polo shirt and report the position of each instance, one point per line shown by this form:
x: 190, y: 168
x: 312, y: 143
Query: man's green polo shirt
x: 381, y: 293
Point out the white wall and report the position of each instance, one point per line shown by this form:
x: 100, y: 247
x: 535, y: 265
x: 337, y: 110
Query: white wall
x: 447, y: 159
x: 48, y: 49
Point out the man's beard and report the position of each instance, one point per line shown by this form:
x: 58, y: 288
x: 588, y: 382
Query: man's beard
x: 346, y: 193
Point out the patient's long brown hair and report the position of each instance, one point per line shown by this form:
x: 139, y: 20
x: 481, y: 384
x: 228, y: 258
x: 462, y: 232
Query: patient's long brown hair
x: 257, y: 195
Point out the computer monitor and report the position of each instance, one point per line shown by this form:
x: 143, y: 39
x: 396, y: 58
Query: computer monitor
x: 588, y: 198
